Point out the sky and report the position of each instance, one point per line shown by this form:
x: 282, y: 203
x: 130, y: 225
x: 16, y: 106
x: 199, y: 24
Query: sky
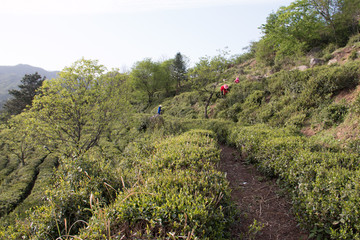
x: 53, y: 34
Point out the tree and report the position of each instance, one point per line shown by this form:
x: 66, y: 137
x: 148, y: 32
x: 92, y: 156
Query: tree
x: 179, y: 70
x: 168, y: 83
x: 148, y: 77
x: 206, y: 75
x: 327, y: 9
x: 290, y: 31
x: 74, y: 109
x: 18, y: 137
x: 23, y: 97
x: 350, y: 16
x: 305, y: 24
x: 344, y: 16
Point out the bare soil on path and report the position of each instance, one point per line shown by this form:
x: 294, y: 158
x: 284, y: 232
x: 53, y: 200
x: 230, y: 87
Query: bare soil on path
x: 265, y: 211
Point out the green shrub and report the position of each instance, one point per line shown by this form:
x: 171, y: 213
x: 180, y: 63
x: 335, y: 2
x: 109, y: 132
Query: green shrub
x: 353, y: 55
x: 335, y: 113
x: 296, y: 120
x: 178, y: 193
x: 354, y: 40
x: 67, y: 202
x: 185, y: 105
x: 17, y: 185
x: 323, y: 181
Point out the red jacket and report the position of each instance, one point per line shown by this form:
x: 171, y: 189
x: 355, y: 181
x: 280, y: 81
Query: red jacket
x: 223, y: 90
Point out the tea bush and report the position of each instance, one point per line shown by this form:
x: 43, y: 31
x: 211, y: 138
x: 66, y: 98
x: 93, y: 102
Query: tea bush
x: 17, y: 185
x: 10, y: 164
x: 290, y: 98
x: 323, y: 181
x: 178, y: 194
x: 67, y: 202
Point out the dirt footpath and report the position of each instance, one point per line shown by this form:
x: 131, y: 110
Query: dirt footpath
x: 265, y: 211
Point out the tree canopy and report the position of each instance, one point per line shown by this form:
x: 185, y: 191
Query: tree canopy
x: 206, y: 75
x: 179, y: 70
x: 76, y: 108
x: 306, y: 24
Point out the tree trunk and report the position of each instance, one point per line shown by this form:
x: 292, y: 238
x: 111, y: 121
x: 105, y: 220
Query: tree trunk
x: 22, y: 159
x: 207, y: 105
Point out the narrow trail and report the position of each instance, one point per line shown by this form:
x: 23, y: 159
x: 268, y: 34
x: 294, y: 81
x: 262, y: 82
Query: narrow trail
x: 258, y: 199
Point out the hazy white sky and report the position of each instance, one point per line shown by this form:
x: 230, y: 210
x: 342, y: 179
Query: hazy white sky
x: 52, y: 34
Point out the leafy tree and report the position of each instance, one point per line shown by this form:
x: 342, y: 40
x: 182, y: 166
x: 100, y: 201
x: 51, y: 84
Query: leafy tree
x: 350, y: 16
x: 148, y: 77
x: 305, y: 24
x: 25, y: 95
x: 206, y: 74
x: 77, y: 107
x: 327, y: 9
x: 179, y: 70
x: 18, y: 136
x: 290, y: 31
x: 341, y: 16
x: 168, y: 83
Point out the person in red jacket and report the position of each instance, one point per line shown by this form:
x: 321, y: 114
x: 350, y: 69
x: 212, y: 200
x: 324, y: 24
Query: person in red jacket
x: 224, y: 89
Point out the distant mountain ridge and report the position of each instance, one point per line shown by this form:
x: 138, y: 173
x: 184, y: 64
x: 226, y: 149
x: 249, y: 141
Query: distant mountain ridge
x: 11, y: 76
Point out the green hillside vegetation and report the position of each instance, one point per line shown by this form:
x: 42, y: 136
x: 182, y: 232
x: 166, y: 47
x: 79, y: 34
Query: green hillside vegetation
x: 91, y: 159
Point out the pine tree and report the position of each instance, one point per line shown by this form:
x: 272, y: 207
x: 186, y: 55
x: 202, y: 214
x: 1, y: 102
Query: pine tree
x: 24, y: 96
x: 179, y: 70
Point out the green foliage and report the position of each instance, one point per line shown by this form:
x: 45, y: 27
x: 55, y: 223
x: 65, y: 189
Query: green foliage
x: 17, y: 185
x: 356, y: 104
x: 205, y: 76
x: 148, y: 77
x: 335, y: 113
x: 23, y: 98
x: 125, y: 175
x: 289, y: 32
x: 178, y: 193
x: 76, y: 108
x: 184, y: 105
x: 290, y: 98
x: 75, y: 180
x: 321, y: 180
x: 232, y: 105
x: 18, y: 136
x: 179, y: 70
x: 353, y: 55
x: 354, y: 40
x: 303, y: 25
x: 248, y: 55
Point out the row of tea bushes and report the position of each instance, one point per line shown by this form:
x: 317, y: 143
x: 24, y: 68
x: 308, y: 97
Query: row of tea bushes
x: 17, y: 185
x: 7, y: 165
x: 177, y: 194
x: 324, y: 182
x: 41, y: 185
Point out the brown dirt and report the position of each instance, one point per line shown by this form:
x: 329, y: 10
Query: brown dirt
x: 349, y: 95
x: 258, y: 199
x: 341, y: 56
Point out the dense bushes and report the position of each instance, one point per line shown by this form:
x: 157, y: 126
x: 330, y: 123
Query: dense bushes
x: 159, y: 188
x: 323, y: 181
x: 291, y: 98
x: 177, y: 193
x: 17, y: 185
